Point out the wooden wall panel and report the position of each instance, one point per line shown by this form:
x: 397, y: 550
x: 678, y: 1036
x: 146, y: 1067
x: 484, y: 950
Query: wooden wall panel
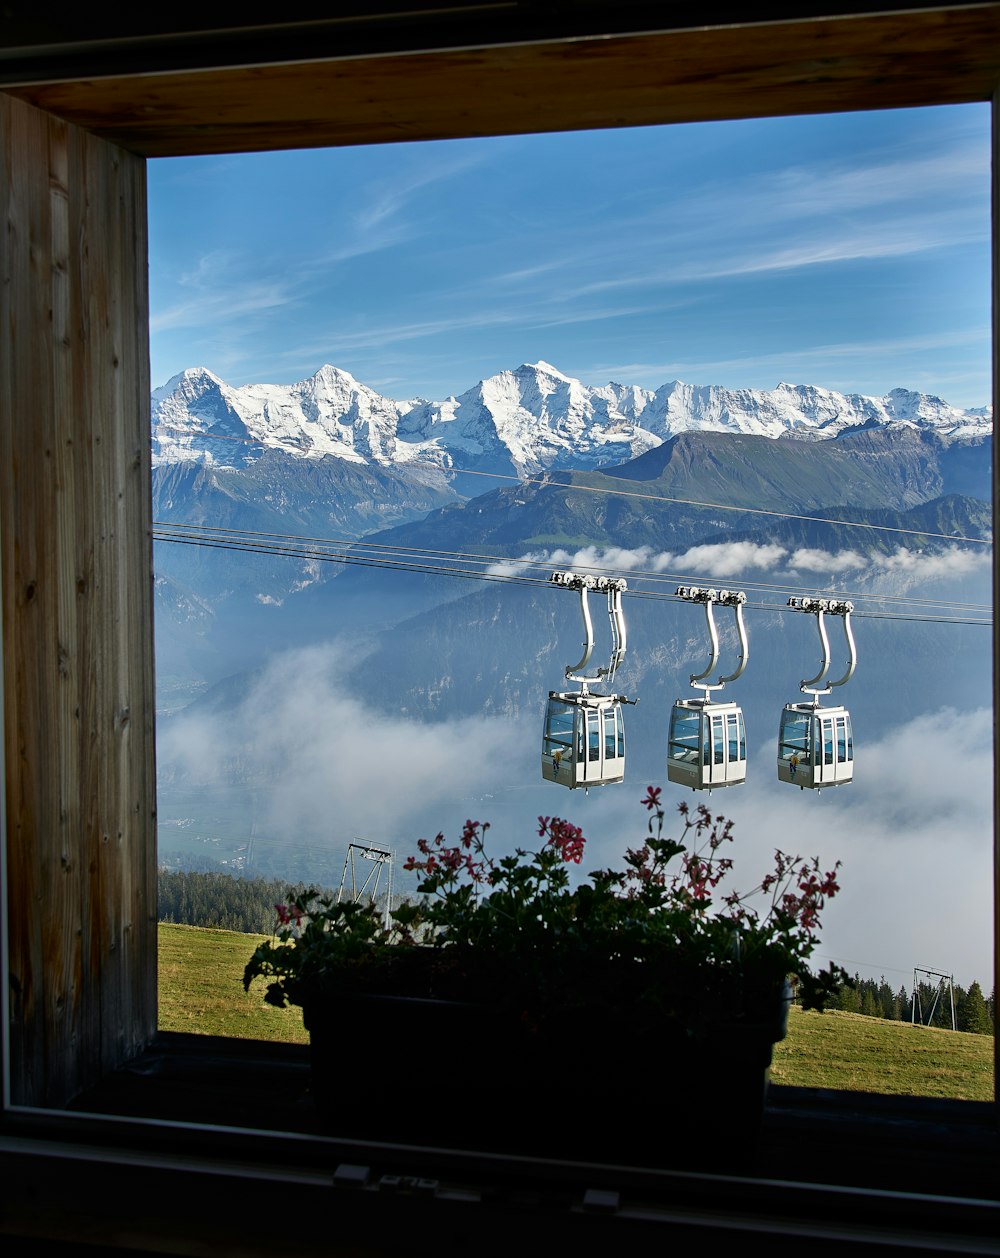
x: 76, y: 582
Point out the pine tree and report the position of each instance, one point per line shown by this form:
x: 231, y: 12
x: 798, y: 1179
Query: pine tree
x: 888, y: 1006
x: 975, y: 1016
x: 198, y: 898
x: 849, y: 996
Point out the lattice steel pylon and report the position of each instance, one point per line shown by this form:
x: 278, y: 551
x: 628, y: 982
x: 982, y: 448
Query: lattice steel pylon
x: 945, y: 982
x: 377, y: 858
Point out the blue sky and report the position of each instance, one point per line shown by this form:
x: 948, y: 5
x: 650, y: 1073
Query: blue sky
x: 849, y: 251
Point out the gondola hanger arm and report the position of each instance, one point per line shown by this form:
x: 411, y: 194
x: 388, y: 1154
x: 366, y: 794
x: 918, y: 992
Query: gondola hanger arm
x: 820, y: 608
x: 619, y: 640
x: 735, y: 599
x: 695, y: 594
x: 844, y: 609
x: 613, y: 588
x: 728, y: 598
x: 576, y: 581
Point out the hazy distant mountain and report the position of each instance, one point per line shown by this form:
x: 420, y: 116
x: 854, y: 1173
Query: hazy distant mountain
x: 455, y: 649
x: 276, y: 492
x: 527, y: 421
x: 428, y: 638
x: 897, y: 466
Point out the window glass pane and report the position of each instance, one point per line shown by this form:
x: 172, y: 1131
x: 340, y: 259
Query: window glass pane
x: 565, y: 730
x: 610, y: 733
x: 558, y: 728
x: 734, y: 730
x: 841, y: 740
x: 795, y: 736
x: 684, y: 735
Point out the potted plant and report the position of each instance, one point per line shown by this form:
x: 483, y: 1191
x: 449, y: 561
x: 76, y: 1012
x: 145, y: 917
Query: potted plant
x: 514, y: 1007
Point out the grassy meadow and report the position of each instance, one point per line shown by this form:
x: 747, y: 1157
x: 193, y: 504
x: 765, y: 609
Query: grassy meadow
x: 851, y: 1052
x: 201, y: 990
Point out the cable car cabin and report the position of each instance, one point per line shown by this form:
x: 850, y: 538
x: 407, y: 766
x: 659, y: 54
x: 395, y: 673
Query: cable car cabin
x: 583, y: 743
x: 707, y: 744
x: 815, y: 746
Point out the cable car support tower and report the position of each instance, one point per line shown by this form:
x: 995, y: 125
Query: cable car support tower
x: 376, y: 858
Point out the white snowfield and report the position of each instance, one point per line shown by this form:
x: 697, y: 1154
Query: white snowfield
x: 530, y: 420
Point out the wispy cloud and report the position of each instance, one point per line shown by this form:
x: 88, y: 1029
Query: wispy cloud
x: 787, y: 361
x: 393, y: 196
x: 890, y: 240
x: 380, y: 335
x: 781, y: 220
x: 842, y: 187
x: 394, y: 209
x: 687, y: 264
x: 217, y: 292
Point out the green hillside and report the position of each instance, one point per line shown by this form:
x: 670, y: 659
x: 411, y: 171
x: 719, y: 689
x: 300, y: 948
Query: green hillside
x: 201, y: 990
x: 201, y: 987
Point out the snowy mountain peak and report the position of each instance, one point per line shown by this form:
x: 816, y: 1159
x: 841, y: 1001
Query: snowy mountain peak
x: 546, y: 369
x: 329, y: 375
x: 525, y: 420
x: 190, y: 382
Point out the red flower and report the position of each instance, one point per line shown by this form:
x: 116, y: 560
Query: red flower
x: 652, y: 797
x: 565, y: 837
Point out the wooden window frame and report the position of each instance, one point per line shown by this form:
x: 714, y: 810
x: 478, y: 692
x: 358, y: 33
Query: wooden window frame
x: 80, y: 114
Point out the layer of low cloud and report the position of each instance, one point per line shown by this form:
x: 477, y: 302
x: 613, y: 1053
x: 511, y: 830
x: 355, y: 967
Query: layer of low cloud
x: 808, y: 559
x: 913, y: 831
x: 728, y: 560
x: 325, y: 763
x: 934, y: 565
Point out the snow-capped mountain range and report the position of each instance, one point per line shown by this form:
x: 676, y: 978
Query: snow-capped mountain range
x: 530, y: 419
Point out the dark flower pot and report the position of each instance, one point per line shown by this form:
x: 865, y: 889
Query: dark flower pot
x: 579, y: 1084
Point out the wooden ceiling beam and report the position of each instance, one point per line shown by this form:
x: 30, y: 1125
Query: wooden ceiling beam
x: 878, y: 61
